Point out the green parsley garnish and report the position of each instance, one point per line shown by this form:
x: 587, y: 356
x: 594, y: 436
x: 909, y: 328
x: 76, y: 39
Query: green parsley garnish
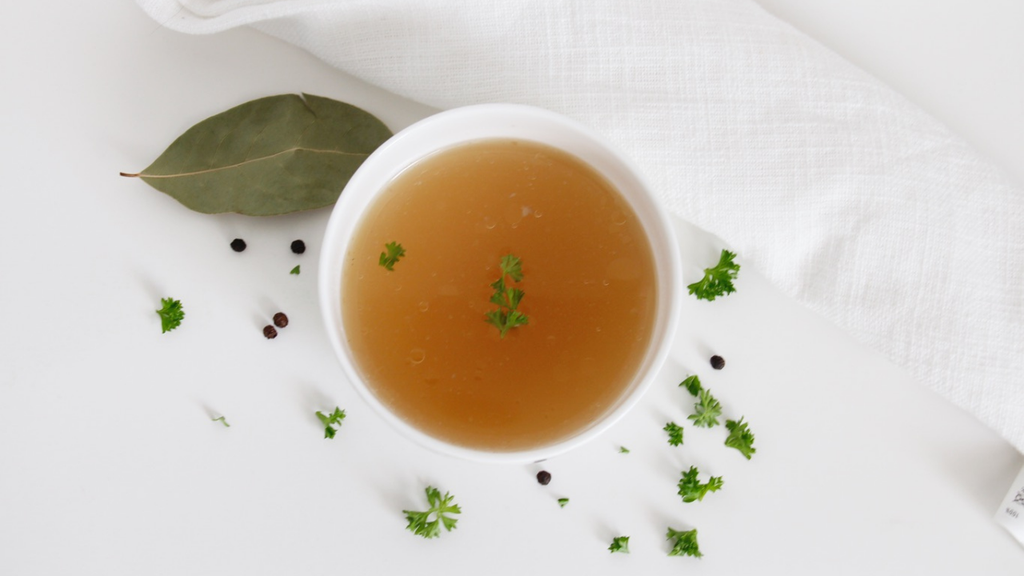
x: 623, y: 450
x: 692, y: 490
x: 420, y: 523
x: 388, y: 259
x: 685, y: 543
x: 222, y: 421
x: 675, y: 433
x: 331, y: 422
x: 740, y: 437
x: 562, y: 502
x: 295, y: 270
x: 507, y: 316
x: 620, y: 544
x: 170, y: 313
x: 717, y: 280
x: 706, y: 411
x: 692, y: 383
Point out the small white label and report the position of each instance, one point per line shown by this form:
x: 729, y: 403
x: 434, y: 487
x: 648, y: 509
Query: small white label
x: 1011, y: 512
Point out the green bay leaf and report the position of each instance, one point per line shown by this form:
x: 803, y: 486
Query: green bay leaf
x: 273, y: 155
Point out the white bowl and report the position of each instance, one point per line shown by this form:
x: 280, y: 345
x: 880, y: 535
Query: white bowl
x: 505, y: 121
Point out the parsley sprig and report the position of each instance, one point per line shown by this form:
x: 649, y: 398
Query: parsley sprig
x: 675, y: 433
x: 390, y: 257
x: 420, y: 523
x: 692, y: 384
x: 171, y: 314
x: 740, y: 437
x: 619, y: 544
x: 718, y: 279
x: 331, y: 421
x: 685, y: 543
x: 507, y: 316
x: 691, y: 489
x: 706, y: 411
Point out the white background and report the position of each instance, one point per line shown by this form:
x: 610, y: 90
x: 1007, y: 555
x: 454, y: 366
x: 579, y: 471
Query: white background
x: 109, y: 463
x: 960, y: 60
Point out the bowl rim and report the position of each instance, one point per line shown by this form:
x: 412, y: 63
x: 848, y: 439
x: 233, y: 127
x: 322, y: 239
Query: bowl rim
x: 367, y: 183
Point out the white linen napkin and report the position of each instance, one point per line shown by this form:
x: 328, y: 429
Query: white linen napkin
x: 841, y: 192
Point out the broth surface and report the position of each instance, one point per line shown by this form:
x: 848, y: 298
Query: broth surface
x: 419, y: 334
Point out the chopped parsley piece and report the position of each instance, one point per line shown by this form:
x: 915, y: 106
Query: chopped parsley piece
x: 295, y: 270
x: 562, y: 502
x: 620, y: 544
x: 675, y: 433
x: 507, y: 316
x: 691, y: 489
x: 706, y: 411
x: 718, y: 279
x: 685, y: 543
x: 692, y: 384
x: 420, y: 523
x: 331, y: 422
x: 222, y: 421
x: 170, y: 313
x: 740, y: 437
x: 623, y: 450
x: 390, y: 257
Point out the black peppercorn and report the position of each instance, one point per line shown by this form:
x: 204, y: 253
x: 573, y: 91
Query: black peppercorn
x: 280, y: 320
x: 238, y: 244
x: 270, y: 332
x: 298, y: 246
x: 717, y: 362
x: 544, y: 477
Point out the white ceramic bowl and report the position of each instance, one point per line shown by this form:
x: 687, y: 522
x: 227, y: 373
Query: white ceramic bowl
x: 508, y: 121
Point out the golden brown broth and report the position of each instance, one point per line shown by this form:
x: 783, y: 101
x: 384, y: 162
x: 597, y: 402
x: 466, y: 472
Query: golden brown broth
x: 419, y: 334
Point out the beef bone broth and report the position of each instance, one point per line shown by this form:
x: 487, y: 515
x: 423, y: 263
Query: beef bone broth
x: 419, y: 333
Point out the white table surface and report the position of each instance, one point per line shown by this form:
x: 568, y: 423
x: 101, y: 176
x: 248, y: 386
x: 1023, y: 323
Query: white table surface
x: 110, y: 464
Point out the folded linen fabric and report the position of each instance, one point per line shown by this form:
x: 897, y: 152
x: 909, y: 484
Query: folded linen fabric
x: 845, y: 195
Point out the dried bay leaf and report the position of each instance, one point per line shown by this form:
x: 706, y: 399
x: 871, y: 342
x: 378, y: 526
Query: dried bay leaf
x: 273, y: 155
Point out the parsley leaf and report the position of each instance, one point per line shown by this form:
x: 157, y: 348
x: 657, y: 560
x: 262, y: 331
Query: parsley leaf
x: 692, y: 384
x: 706, y: 411
x: 331, y: 422
x: 295, y: 270
x: 512, y: 266
x: 740, y: 437
x: 170, y: 313
x: 620, y: 544
x: 623, y: 450
x: 507, y: 316
x: 718, y: 279
x: 390, y: 258
x: 420, y: 523
x: 692, y: 490
x: 562, y: 502
x: 675, y: 433
x: 685, y: 543
x: 222, y: 421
